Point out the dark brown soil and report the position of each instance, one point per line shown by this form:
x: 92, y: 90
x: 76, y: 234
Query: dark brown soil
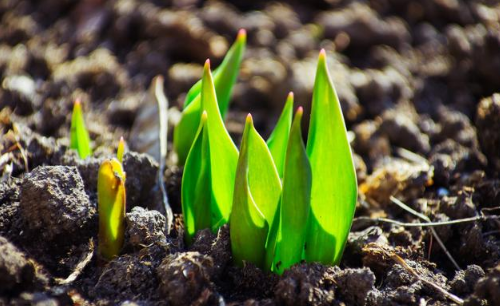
x: 420, y: 90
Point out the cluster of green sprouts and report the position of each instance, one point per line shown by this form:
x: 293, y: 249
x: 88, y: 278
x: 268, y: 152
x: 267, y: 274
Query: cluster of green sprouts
x: 285, y: 201
x: 111, y: 198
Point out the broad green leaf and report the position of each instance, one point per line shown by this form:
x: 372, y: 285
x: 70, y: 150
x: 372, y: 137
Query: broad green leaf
x: 278, y: 140
x: 208, y: 179
x: 79, y: 137
x: 256, y: 195
x: 121, y: 150
x: 224, y: 79
x: 295, y: 201
x: 111, y: 205
x: 334, y: 187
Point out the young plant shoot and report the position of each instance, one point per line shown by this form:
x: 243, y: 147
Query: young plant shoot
x: 257, y: 192
x: 224, y: 78
x: 334, y: 187
x: 208, y: 178
x: 121, y: 150
x: 295, y: 202
x: 111, y: 207
x: 278, y: 140
x: 79, y: 137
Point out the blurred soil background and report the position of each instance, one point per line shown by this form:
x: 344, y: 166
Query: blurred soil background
x: 419, y: 84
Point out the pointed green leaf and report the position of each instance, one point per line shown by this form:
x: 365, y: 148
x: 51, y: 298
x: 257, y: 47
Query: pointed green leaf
x: 256, y: 195
x: 334, y: 187
x: 278, y: 140
x: 223, y: 152
x: 196, y: 184
x: 208, y: 179
x: 111, y: 205
x: 224, y: 79
x: 79, y: 137
x: 121, y: 150
x: 295, y: 201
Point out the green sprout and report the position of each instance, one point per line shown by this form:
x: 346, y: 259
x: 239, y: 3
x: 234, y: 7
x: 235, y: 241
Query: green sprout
x: 224, y: 79
x: 334, y: 186
x: 111, y: 202
x: 121, y: 150
x: 295, y: 203
x: 289, y: 202
x: 208, y: 178
x: 257, y: 192
x: 79, y: 137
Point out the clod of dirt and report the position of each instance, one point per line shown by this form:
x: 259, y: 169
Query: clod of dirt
x: 217, y: 246
x: 354, y: 285
x: 144, y: 227
x: 464, y: 281
x: 16, y: 271
x: 141, y: 171
x: 185, y: 279
x: 488, y: 128
x: 358, y: 239
x: 364, y: 27
x: 88, y: 169
x: 127, y: 277
x: 486, y: 291
x: 403, y: 132
x: 54, y: 203
x: 306, y: 284
x: 371, y: 142
x: 398, y: 178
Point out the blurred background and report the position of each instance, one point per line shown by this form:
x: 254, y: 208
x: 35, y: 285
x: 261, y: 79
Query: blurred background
x: 409, y: 74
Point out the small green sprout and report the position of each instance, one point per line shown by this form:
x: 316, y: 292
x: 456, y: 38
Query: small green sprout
x: 121, y: 150
x: 334, y: 186
x: 79, y: 137
x: 224, y: 78
x: 257, y: 192
x: 208, y: 178
x: 111, y: 206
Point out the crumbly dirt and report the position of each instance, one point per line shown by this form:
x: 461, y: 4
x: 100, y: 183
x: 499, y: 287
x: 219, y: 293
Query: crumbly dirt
x: 419, y: 88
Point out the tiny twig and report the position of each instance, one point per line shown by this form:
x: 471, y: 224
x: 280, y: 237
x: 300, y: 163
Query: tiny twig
x: 434, y: 233
x: 405, y: 265
x: 79, y: 267
x: 427, y: 224
x: 388, y: 252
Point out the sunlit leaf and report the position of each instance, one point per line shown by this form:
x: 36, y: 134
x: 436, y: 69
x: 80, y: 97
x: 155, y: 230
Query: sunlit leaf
x: 256, y: 195
x: 111, y: 206
x: 278, y: 140
x: 224, y: 79
x: 295, y: 201
x: 208, y: 179
x: 121, y: 150
x: 196, y: 184
x: 334, y: 188
x: 79, y: 137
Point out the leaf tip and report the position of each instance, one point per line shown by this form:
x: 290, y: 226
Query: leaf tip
x: 290, y: 95
x: 207, y: 65
x: 242, y: 35
x: 77, y: 104
x: 299, y: 112
x: 249, y: 119
x: 204, y: 116
x: 322, y: 54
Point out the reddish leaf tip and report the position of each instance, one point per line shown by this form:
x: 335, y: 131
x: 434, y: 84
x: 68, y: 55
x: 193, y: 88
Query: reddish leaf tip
x: 300, y: 110
x: 290, y: 95
x: 207, y: 64
x: 242, y: 34
x: 77, y: 102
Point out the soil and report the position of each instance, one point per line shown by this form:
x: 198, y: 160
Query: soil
x: 418, y: 83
